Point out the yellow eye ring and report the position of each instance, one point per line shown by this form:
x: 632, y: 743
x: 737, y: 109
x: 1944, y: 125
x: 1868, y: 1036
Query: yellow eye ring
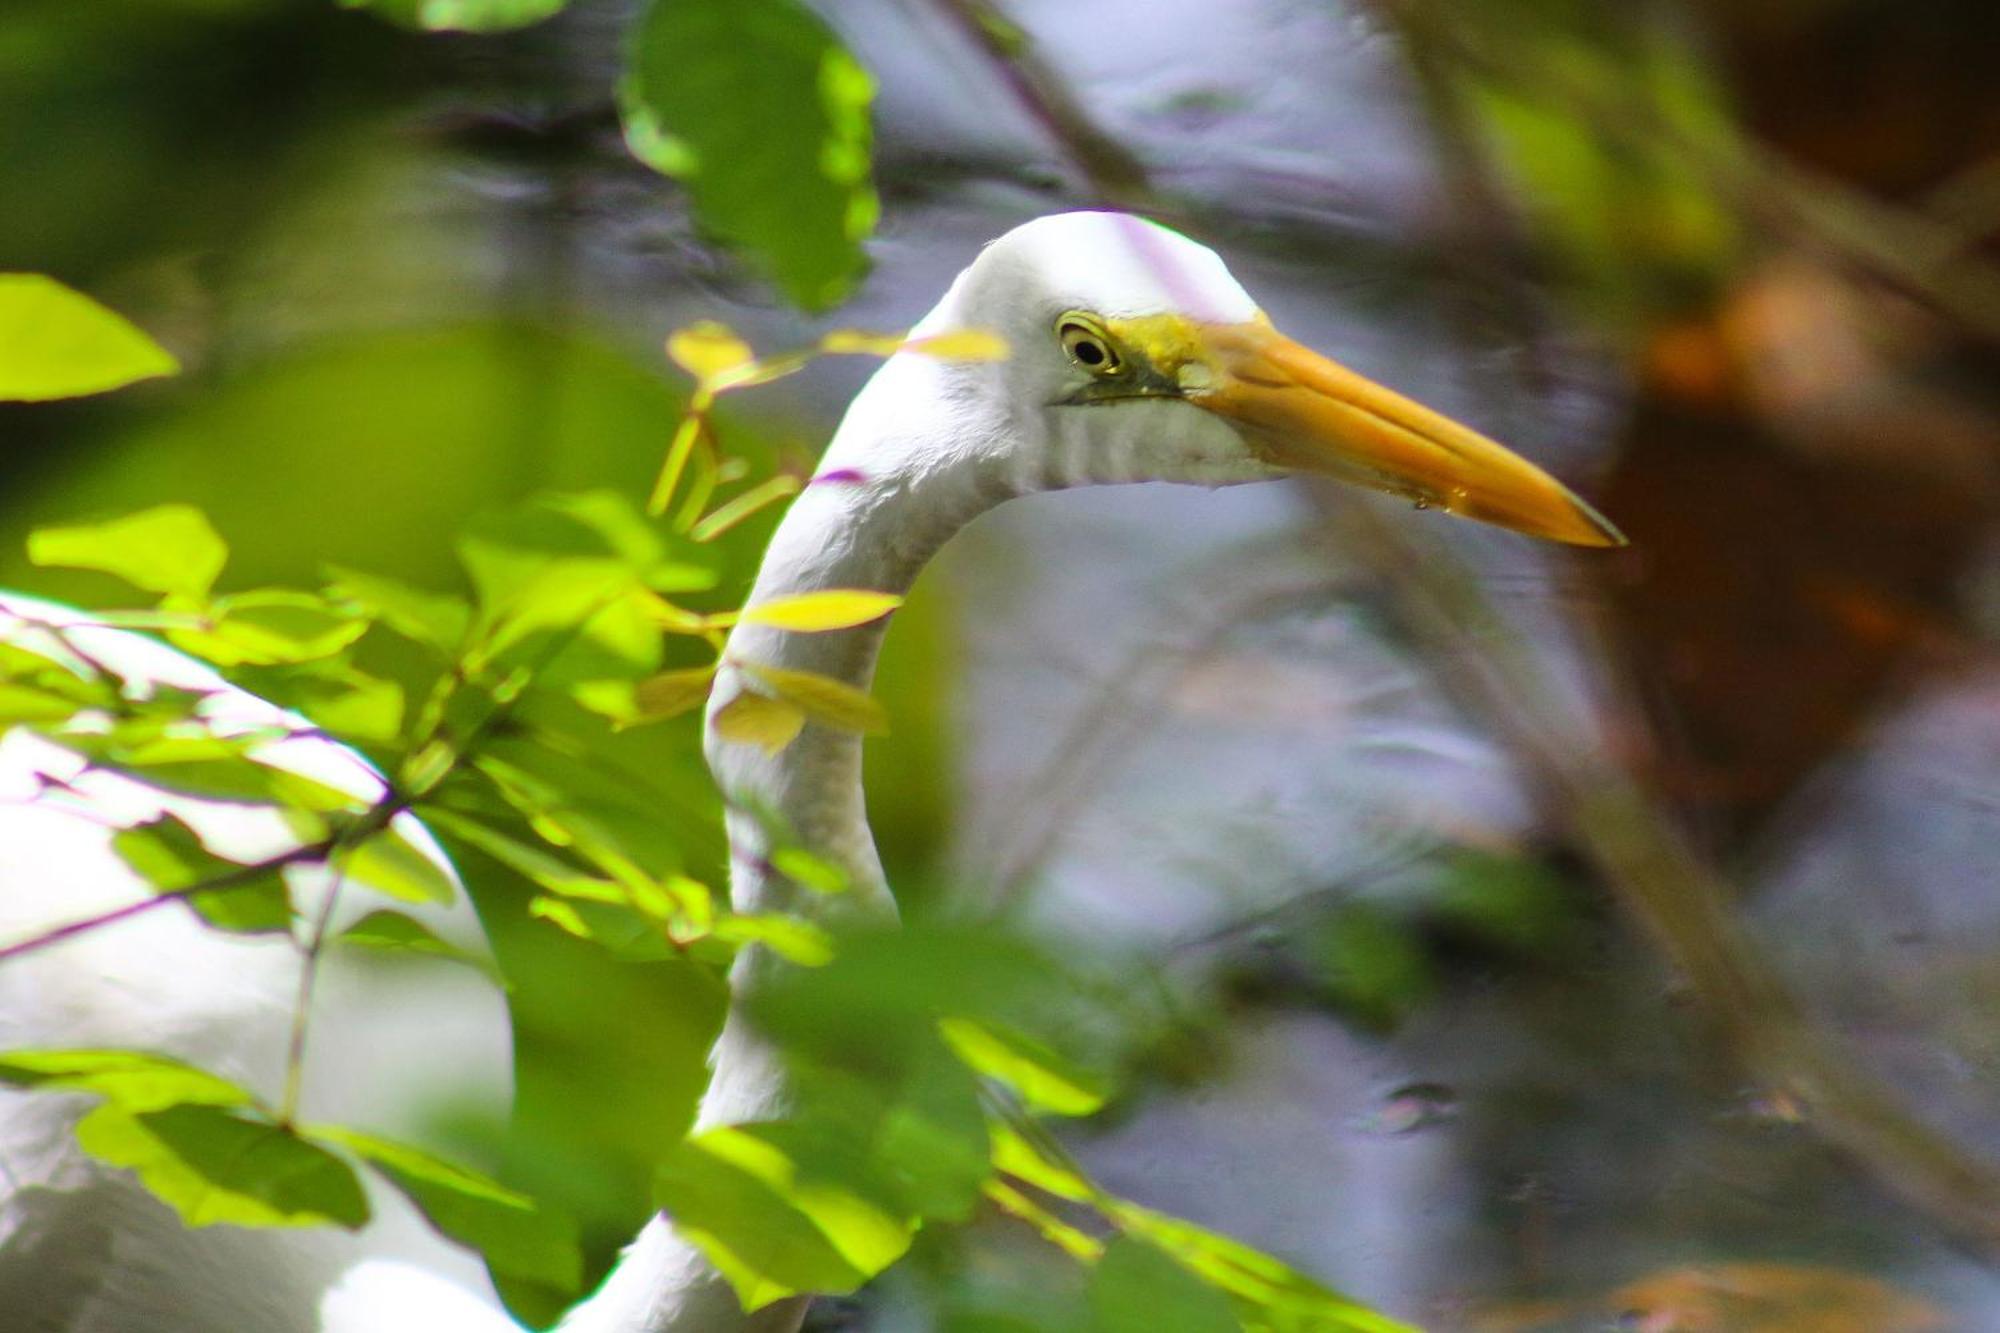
x: 1087, y: 344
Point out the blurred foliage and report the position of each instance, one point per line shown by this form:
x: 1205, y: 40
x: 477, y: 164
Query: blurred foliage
x: 198, y: 159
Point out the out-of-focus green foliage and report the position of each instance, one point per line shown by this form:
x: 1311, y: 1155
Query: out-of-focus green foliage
x: 765, y: 116
x: 462, y: 15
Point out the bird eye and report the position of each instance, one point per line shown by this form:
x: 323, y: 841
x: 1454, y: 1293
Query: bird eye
x: 1088, y: 346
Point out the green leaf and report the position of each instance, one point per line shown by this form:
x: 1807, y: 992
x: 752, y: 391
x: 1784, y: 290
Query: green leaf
x: 168, y: 549
x: 1045, y: 1080
x: 571, y: 574
x: 525, y: 859
x: 1253, y: 1277
x: 462, y: 15
x: 831, y: 702
x: 58, y: 343
x: 130, y: 1080
x: 390, y: 863
x: 431, y: 619
x: 270, y: 627
x: 217, y: 1166
x: 349, y: 704
x: 215, y: 768
x: 619, y: 929
x: 807, y: 871
x: 742, y: 1200
x: 764, y: 116
x: 792, y: 938
x: 1137, y: 1288
x: 170, y: 856
x: 391, y: 932
x: 519, y: 1239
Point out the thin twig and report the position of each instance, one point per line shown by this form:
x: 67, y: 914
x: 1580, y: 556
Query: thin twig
x: 315, y: 947
x: 1680, y: 901
x: 227, y: 880
x: 1115, y: 175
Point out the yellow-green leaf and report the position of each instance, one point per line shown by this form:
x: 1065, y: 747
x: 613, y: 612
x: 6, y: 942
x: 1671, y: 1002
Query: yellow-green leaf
x: 132, y: 1080
x: 169, y: 548
x: 828, y: 609
x: 215, y: 1165
x: 390, y: 863
x: 58, y: 343
x: 860, y: 342
x: 708, y: 349
x: 1045, y: 1080
x: 962, y: 345
x: 823, y: 699
x: 792, y: 938
x: 757, y: 719
x: 672, y: 693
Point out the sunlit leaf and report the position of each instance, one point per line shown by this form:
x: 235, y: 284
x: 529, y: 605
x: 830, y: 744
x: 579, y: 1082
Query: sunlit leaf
x: 28, y: 703
x: 1045, y: 1079
x: 1137, y: 1288
x: 808, y: 871
x: 822, y: 698
x: 525, y: 859
x: 167, y: 549
x: 757, y: 719
x: 1023, y: 1160
x: 962, y: 345
x: 428, y: 618
x: 462, y: 15
x: 1251, y: 1275
x: 169, y: 855
x: 792, y: 938
x: 58, y: 343
x: 782, y: 174
x: 860, y: 342
x: 1070, y: 1239
x: 518, y: 1238
x: 391, y: 932
x: 215, y: 768
x: 217, y: 1166
x: 350, y: 704
x: 743, y: 1201
x: 671, y: 693
x: 707, y: 349
x: 390, y: 863
x: 829, y: 609
x: 268, y: 627
x: 674, y: 692
x: 131, y: 1080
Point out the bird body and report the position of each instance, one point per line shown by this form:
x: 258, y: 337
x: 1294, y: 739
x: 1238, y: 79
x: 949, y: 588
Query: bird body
x: 1133, y: 355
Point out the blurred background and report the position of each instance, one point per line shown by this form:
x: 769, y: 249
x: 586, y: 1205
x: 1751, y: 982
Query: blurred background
x: 1545, y: 940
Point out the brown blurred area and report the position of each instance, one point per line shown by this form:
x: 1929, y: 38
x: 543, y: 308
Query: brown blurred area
x: 1813, y: 461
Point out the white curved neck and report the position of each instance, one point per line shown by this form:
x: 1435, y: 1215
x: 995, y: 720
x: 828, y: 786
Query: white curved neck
x: 892, y: 489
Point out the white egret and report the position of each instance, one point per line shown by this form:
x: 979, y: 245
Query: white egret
x: 1133, y: 356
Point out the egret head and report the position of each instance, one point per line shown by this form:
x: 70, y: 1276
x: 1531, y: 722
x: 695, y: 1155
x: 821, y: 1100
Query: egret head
x: 1135, y: 356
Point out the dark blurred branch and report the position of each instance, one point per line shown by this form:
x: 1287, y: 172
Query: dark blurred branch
x: 1115, y: 176
x: 1499, y: 677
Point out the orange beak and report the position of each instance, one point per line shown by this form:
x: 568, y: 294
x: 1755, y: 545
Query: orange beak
x: 1307, y: 413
